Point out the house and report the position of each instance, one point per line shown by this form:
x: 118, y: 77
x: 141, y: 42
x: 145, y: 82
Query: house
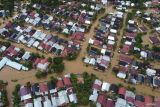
x: 156, y: 81
x: 93, y: 97
x: 35, y: 89
x: 130, y: 97
x: 67, y: 81
x: 155, y: 2
x: 25, y: 93
x: 60, y: 83
x: 78, y: 36
x: 139, y: 101
x: 144, y: 54
x: 122, y: 92
x: 125, y: 58
x: 43, y: 87
x: 26, y: 56
x: 30, y: 104
x: 37, y: 102
x: 110, y: 103
x: 55, y: 99
x: 154, y: 40
x: 2, y: 48
x: 123, y: 70
x: 47, y: 102
x: 140, y: 78
x: 11, y: 52
x: 63, y: 98
x: 150, y: 72
x: 104, y: 2
x: 114, y: 88
x: 101, y: 101
x: 105, y: 86
x: 148, y: 100
x: 3, y: 13
x: 72, y: 95
x: 97, y: 85
x: 15, y: 65
x: 126, y: 49
x: 3, y: 62
x: 120, y: 103
x: 143, y: 29
x: 41, y: 64
x: 52, y: 87
x: 157, y: 101
x: 130, y: 36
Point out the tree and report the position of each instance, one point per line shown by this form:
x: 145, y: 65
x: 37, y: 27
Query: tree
x: 7, y: 44
x: 4, y: 98
x: 83, y: 89
x: 40, y: 74
x: 22, y: 51
x: 53, y: 79
x: 58, y: 60
x: 73, y: 105
x: 72, y: 56
x: 50, y: 3
x: 156, y: 49
x: 28, y: 64
x: 8, y: 5
x: 16, y: 97
x: 139, y: 40
x: 50, y: 60
x: 58, y: 67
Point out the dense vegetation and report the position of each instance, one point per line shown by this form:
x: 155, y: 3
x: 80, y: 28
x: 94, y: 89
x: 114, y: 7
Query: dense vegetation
x: 3, y: 92
x: 7, y: 5
x: 16, y: 97
x: 139, y: 40
x: 50, y: 3
x: 83, y: 88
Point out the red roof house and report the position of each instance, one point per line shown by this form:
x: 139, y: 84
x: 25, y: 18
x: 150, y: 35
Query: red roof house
x: 97, y: 84
x: 148, y: 101
x: 60, y: 83
x: 110, y: 103
x: 125, y: 58
x: 122, y: 91
x: 102, y: 100
x: 78, y: 36
x: 157, y: 101
x: 125, y: 49
x: 139, y: 104
x: 130, y: 100
x: 67, y: 81
x: 43, y: 88
x: 11, y: 52
x: 130, y: 35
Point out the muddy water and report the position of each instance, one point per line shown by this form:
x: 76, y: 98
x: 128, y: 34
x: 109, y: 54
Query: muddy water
x: 77, y: 66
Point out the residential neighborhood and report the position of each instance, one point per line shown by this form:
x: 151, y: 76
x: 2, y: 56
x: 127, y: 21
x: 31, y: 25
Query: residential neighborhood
x: 80, y: 53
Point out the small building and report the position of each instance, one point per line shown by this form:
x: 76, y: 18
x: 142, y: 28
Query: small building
x: 25, y: 93
x: 43, y: 87
x: 97, y: 85
x: 105, y: 86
